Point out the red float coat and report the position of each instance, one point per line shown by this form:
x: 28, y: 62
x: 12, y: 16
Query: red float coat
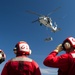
x: 65, y: 62
x: 21, y: 65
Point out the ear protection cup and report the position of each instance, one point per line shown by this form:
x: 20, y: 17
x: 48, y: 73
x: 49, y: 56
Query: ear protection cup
x: 71, y: 40
x: 30, y: 52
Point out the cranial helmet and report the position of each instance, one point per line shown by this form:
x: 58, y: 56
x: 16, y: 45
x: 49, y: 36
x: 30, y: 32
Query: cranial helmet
x: 71, y: 40
x: 22, y: 48
x: 2, y: 56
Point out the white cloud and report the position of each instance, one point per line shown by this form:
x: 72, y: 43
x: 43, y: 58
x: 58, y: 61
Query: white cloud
x: 51, y: 71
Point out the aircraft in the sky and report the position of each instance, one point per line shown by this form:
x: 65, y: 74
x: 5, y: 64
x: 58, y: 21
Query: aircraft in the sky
x: 46, y: 20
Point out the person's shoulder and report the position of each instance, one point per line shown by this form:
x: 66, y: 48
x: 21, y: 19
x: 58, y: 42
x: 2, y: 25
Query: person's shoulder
x: 7, y: 62
x: 21, y: 59
x: 35, y: 63
x: 66, y: 55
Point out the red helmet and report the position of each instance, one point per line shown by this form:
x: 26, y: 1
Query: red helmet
x: 2, y: 56
x: 22, y: 48
x: 71, y: 40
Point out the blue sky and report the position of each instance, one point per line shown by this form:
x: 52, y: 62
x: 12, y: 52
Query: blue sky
x: 16, y: 25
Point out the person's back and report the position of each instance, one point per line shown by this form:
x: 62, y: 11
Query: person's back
x: 21, y: 64
x: 72, y: 64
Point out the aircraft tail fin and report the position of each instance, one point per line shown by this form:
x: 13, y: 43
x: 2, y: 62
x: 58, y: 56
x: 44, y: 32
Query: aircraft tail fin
x: 55, y: 28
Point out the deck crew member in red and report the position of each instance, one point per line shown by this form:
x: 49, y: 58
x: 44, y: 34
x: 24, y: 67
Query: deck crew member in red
x: 21, y: 64
x: 64, y: 62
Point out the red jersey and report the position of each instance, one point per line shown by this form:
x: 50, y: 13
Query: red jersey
x: 65, y: 62
x: 21, y: 65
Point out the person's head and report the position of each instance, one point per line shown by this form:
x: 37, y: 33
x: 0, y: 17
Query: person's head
x: 2, y: 56
x: 22, y: 48
x: 69, y: 44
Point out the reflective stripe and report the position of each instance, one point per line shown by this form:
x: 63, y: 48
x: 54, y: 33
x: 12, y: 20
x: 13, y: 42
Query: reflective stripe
x: 21, y: 59
x: 73, y: 55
